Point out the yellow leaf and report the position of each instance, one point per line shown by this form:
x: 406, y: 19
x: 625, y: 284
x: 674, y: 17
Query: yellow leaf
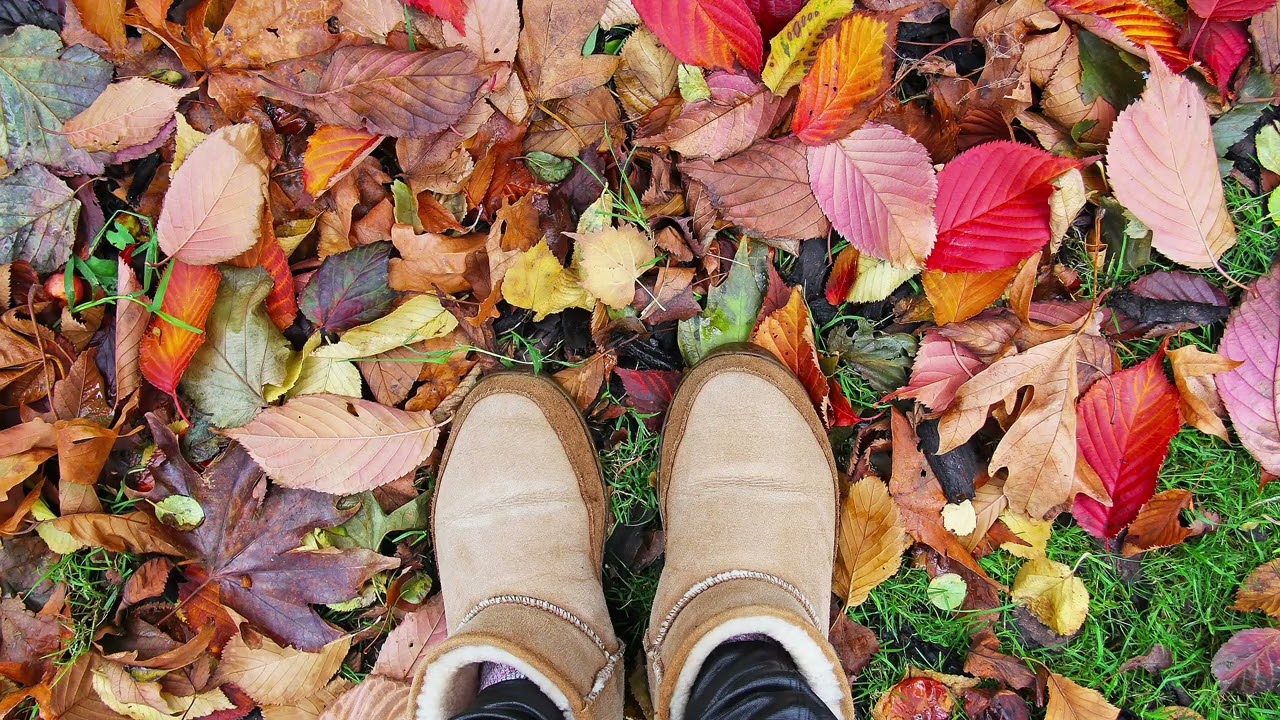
x: 275, y: 675
x: 793, y: 50
x: 872, y: 538
x: 610, y: 261
x: 1052, y: 592
x: 292, y: 369
x: 187, y: 138
x: 421, y: 318
x: 327, y: 375
x: 537, y: 281
x: 1032, y: 531
x: 960, y: 518
x: 1069, y: 701
x: 877, y: 279
x: 291, y: 234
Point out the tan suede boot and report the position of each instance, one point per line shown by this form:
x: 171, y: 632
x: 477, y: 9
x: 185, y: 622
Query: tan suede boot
x: 519, y: 525
x: 748, y: 494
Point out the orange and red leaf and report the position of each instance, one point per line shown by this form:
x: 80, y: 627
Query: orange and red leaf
x: 332, y: 150
x: 788, y: 334
x: 706, y: 33
x: 166, y: 348
x: 849, y: 73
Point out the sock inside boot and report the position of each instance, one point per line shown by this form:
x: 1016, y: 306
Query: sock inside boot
x: 749, y: 637
x: 493, y: 673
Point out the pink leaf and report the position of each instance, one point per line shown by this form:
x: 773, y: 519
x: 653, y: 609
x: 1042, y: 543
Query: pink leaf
x: 1251, y: 392
x: 126, y: 114
x: 739, y: 112
x: 1165, y: 171
x: 877, y: 186
x: 993, y: 206
x: 213, y: 209
x: 941, y: 367
x: 1249, y: 662
x: 1229, y: 9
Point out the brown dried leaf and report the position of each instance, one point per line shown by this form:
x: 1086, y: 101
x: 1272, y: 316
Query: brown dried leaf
x: 1261, y: 590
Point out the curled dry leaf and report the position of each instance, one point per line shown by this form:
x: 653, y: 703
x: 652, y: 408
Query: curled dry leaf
x: 537, y: 281
x: 1193, y: 371
x: 335, y: 444
x: 1159, y: 523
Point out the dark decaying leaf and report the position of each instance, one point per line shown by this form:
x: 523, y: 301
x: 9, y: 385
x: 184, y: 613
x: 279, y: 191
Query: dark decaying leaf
x: 1249, y: 662
x: 247, y: 533
x: 14, y: 13
x: 882, y: 359
x: 349, y: 289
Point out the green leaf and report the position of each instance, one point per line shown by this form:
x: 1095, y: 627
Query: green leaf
x: 243, y: 351
x: 406, y: 205
x: 693, y: 84
x: 1268, y: 142
x: 368, y: 527
x: 1106, y: 72
x: 119, y: 237
x: 548, y: 167
x: 38, y: 214
x: 732, y: 306
x: 180, y: 511
x: 883, y: 360
x: 42, y: 85
x: 947, y: 591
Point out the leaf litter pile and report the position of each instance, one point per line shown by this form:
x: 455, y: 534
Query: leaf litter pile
x: 1020, y: 254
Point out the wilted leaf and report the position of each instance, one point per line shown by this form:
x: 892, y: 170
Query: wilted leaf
x: 1069, y: 701
x: 731, y: 309
x: 1261, y: 590
x: 986, y: 661
x: 869, y: 549
x: 1159, y: 523
x: 243, y: 351
x: 706, y: 33
x: 551, y: 45
x: 1249, y: 662
x: 370, y: 524
x: 738, y: 112
x: 134, y: 532
x: 1193, y: 371
x: 850, y: 70
x: 1163, y: 167
x: 1125, y: 425
x: 246, y: 531
x: 1052, y: 592
x: 350, y: 288
x: 794, y: 48
x: 882, y: 359
x: 993, y: 206
x: 1249, y: 391
x: 213, y: 209
x: 38, y: 214
x: 537, y: 281
x: 335, y: 444
x: 126, y: 114
x: 332, y: 151
x: 877, y: 186
x: 43, y: 85
x: 275, y: 675
x: 765, y: 189
x: 609, y: 262
x: 915, y: 697
x: 166, y: 348
x: 788, y: 333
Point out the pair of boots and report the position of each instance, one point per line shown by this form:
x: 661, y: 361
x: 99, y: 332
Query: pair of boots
x: 748, y: 496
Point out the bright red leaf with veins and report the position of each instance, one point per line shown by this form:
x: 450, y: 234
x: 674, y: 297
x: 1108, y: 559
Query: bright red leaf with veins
x: 1220, y: 44
x: 1229, y: 9
x: 706, y: 33
x: 166, y: 348
x: 993, y: 206
x: 453, y: 11
x: 773, y: 15
x: 1126, y: 423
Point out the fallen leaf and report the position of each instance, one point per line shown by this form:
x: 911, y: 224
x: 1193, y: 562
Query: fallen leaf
x: 877, y: 186
x: 646, y: 72
x: 1129, y: 24
x: 1156, y: 660
x: 432, y: 260
x: 986, y: 661
x: 213, y: 209
x: 1229, y: 9
x: 1164, y: 169
x: 333, y: 151
x: 959, y: 296
x: 134, y: 532
x: 1052, y: 592
x: 350, y: 288
x: 574, y: 123
x: 336, y: 444
x: 125, y: 115
x: 1193, y: 371
x: 882, y: 359
x: 731, y: 308
x: 83, y: 447
x: 1247, y: 664
x: 551, y: 43
x: 275, y: 675
x: 38, y: 215
x: 166, y: 348
x: 738, y: 112
x: 941, y: 366
x: 851, y: 69
x: 787, y: 333
x: 419, y: 318
x: 872, y: 538
x: 1159, y: 523
x: 583, y: 382
x: 1125, y: 425
x: 408, y: 644
x: 370, y: 525
x: 609, y: 261
x: 237, y: 549
x: 915, y: 697
x: 1249, y: 391
x: 1220, y: 45
x: 706, y: 33
x: 854, y: 644
x: 794, y: 48
x: 243, y: 351
x: 454, y: 11
x: 376, y: 697
x: 537, y: 281
x: 1261, y: 590
x: 1069, y: 701
x: 993, y: 206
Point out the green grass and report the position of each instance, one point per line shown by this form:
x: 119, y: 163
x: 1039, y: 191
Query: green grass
x: 94, y: 579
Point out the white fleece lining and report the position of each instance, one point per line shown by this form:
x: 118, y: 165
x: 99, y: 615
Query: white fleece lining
x: 806, y: 654
x: 445, y: 692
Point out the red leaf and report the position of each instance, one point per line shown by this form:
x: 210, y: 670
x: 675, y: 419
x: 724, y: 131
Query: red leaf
x: 706, y: 33
x: 842, y: 412
x: 993, y: 206
x: 1126, y: 423
x: 166, y: 348
x: 1229, y: 9
x: 650, y: 391
x: 773, y: 15
x: 1249, y: 661
x: 455, y: 11
x: 941, y: 367
x: 282, y: 301
x: 843, y: 272
x: 1221, y: 44
x: 915, y: 699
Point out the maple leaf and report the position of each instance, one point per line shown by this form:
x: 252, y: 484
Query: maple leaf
x: 850, y: 70
x: 706, y: 33
x: 993, y: 206
x: 246, y: 532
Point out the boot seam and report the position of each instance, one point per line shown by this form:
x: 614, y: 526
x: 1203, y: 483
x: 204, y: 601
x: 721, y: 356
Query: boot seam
x: 611, y: 659
x: 653, y: 648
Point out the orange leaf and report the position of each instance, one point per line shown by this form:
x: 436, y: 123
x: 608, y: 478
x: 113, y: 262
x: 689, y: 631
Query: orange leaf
x: 958, y: 296
x: 104, y: 18
x: 167, y: 349
x: 1130, y: 24
x: 1159, y: 523
x: 851, y: 69
x: 788, y: 334
x: 843, y: 272
x: 282, y: 301
x: 332, y: 150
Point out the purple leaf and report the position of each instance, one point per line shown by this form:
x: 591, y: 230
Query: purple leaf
x: 1248, y: 663
x: 349, y: 289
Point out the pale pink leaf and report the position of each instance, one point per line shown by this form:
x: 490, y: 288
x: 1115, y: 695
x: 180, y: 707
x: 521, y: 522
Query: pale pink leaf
x: 492, y: 30
x: 335, y: 444
x: 739, y: 112
x: 941, y: 367
x: 1251, y: 392
x: 407, y: 645
x: 126, y: 114
x: 1164, y: 169
x: 213, y: 209
x: 878, y: 187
